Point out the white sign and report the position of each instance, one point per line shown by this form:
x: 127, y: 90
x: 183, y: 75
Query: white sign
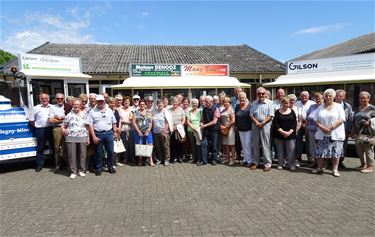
x: 347, y: 63
x: 39, y: 62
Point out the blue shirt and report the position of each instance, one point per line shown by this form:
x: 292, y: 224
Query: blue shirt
x: 261, y: 110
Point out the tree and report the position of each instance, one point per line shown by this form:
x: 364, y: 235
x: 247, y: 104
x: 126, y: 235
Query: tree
x: 5, y: 57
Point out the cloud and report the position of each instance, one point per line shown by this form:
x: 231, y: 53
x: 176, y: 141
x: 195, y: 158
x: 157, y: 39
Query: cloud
x: 37, y: 28
x: 320, y: 29
x: 145, y: 13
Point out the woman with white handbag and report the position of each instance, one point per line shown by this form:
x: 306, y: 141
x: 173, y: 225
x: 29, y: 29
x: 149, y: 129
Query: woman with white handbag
x: 142, y: 123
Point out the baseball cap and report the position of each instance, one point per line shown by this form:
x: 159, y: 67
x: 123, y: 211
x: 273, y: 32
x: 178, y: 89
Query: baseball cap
x: 136, y: 97
x: 99, y: 97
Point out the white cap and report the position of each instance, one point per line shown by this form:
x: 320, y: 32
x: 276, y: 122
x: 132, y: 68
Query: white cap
x: 99, y: 97
x: 136, y: 97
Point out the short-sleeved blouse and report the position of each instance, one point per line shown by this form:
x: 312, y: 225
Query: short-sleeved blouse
x: 76, y: 125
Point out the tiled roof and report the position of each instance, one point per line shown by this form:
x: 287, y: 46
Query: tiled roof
x: 361, y: 44
x: 107, y: 59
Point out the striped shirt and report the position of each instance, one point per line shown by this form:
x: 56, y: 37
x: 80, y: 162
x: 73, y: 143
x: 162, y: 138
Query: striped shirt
x: 261, y: 110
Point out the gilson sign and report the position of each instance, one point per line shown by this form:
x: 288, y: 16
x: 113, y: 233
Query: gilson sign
x: 347, y: 63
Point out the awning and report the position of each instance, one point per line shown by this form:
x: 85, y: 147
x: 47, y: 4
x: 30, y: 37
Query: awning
x: 180, y: 82
x: 54, y: 74
x: 339, y: 77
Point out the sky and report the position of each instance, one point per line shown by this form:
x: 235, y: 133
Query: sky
x: 281, y: 29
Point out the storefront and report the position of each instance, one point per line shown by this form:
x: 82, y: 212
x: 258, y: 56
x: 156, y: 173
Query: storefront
x: 351, y: 73
x: 191, y: 80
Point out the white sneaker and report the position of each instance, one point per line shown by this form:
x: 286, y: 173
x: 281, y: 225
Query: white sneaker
x: 119, y: 164
x: 279, y: 167
x: 72, y: 176
x: 293, y: 168
x: 81, y: 173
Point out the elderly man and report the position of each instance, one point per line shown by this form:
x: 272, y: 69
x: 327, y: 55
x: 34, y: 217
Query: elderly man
x: 210, y: 128
x: 56, y: 118
x: 102, y: 123
x: 340, y: 99
x: 279, y: 95
x: 261, y: 114
x: 39, y: 120
x: 150, y: 104
x: 92, y: 102
x: 303, y: 105
x: 135, y: 103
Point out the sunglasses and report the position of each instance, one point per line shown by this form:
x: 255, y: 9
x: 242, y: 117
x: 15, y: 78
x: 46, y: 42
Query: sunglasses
x: 103, y: 114
x: 135, y: 99
x: 59, y: 98
x: 84, y: 101
x: 261, y: 93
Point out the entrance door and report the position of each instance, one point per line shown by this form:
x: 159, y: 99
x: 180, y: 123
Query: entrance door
x: 47, y: 86
x: 75, y: 89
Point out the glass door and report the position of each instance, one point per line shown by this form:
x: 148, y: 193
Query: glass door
x: 75, y: 89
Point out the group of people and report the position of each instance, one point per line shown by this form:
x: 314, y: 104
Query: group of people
x: 199, y: 130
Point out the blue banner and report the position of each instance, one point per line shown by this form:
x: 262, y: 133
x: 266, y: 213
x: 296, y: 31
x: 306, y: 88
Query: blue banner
x: 15, y: 130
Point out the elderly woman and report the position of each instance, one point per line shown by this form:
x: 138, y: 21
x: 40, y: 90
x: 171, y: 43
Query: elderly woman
x: 194, y: 134
x: 330, y: 136
x: 243, y: 126
x: 178, y: 119
x: 160, y: 130
x: 127, y: 132
x: 364, y: 123
x: 142, y: 123
x: 75, y: 131
x: 311, y: 127
x: 284, y: 127
x: 227, y: 121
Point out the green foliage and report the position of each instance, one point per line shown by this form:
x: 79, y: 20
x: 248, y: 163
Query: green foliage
x: 5, y: 57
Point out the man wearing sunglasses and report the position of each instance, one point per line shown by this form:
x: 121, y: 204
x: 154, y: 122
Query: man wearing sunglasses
x: 56, y: 118
x: 102, y: 123
x: 261, y: 114
x: 135, y: 103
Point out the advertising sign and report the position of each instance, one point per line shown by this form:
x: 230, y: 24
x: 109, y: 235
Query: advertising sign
x: 205, y: 70
x: 347, y: 63
x: 155, y: 70
x: 38, y: 62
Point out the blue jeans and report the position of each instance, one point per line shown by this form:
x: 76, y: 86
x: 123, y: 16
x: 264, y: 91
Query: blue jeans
x: 211, y: 141
x: 106, y: 142
x: 42, y: 135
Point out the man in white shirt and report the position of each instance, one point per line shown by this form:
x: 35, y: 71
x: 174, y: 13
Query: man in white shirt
x: 39, y: 119
x: 303, y: 105
x: 102, y: 123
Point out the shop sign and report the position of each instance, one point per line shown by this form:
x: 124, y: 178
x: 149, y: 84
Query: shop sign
x: 38, y: 62
x: 155, y: 70
x: 205, y: 70
x: 347, y: 63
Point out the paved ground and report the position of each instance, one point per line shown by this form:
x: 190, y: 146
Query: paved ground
x: 186, y: 200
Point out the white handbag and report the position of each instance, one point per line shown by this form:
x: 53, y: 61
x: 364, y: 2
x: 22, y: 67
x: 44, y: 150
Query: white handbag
x: 118, y: 146
x: 143, y: 150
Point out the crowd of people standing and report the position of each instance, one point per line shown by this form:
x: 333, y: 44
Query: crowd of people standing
x: 207, y: 130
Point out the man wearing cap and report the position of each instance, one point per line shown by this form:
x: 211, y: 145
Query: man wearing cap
x: 135, y: 103
x: 39, y: 119
x: 102, y: 124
